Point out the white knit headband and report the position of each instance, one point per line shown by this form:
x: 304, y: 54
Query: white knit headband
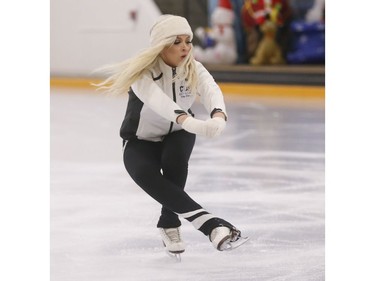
x: 168, y: 26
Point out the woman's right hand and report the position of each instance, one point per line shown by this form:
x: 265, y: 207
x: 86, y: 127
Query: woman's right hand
x: 215, y: 126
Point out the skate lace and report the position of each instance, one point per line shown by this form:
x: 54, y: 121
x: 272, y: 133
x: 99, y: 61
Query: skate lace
x: 173, y: 234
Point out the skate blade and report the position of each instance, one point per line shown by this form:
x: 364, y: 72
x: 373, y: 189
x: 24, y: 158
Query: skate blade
x: 176, y: 256
x: 229, y: 246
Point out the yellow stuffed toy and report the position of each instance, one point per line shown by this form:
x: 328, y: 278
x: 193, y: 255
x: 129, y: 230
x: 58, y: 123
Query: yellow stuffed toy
x: 268, y: 51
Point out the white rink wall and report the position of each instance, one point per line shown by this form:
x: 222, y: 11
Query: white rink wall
x: 87, y: 34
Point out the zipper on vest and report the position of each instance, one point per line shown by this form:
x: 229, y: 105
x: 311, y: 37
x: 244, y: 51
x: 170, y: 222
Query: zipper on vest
x: 174, y: 94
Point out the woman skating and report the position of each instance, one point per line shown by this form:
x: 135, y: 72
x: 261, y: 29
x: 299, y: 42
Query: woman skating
x: 159, y: 129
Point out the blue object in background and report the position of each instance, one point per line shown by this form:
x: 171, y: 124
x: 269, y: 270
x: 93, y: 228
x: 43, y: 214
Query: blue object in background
x: 208, y: 42
x: 308, y: 43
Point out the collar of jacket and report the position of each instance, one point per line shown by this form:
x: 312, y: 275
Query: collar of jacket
x: 166, y: 70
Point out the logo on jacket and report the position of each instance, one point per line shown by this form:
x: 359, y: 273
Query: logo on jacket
x: 184, y: 91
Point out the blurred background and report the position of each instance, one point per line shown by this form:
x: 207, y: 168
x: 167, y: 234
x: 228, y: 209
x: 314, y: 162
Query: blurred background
x: 241, y: 41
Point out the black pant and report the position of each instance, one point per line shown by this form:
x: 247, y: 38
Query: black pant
x: 160, y: 169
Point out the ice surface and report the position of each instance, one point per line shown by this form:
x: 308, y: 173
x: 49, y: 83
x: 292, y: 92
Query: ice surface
x: 265, y: 174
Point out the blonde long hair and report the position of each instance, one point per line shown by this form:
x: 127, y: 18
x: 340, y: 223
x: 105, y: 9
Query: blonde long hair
x: 124, y: 74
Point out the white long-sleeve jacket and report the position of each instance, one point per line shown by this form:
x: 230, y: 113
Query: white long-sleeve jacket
x: 155, y: 102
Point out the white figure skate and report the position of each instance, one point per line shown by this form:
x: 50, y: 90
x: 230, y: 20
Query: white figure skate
x: 172, y: 241
x: 226, y: 239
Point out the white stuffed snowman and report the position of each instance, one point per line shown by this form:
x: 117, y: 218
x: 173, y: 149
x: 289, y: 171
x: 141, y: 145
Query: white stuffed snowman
x: 224, y: 50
